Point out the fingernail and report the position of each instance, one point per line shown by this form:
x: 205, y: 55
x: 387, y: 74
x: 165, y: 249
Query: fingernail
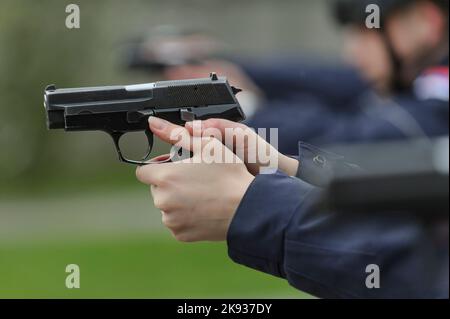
x: 157, y: 123
x: 188, y: 124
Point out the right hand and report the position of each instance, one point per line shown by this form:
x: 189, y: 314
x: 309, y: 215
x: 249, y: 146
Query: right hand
x: 252, y: 149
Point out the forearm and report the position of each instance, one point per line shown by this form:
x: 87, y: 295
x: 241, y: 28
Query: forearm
x: 256, y: 234
x: 288, y: 165
x: 279, y: 230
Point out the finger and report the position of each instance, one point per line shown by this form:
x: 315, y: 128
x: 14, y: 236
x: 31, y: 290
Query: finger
x: 153, y: 174
x: 153, y: 190
x: 220, y: 124
x: 172, y: 221
x: 228, y: 132
x: 162, y: 198
x: 170, y: 133
x: 194, y: 128
x: 159, y: 159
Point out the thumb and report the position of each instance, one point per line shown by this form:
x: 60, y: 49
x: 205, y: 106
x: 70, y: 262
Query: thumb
x: 233, y: 134
x: 170, y: 133
x: 220, y: 124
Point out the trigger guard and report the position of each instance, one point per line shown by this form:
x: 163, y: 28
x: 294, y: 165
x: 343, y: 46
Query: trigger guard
x: 116, y: 138
x: 149, y: 135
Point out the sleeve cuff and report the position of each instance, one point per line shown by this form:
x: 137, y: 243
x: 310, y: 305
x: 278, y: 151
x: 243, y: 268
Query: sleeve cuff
x: 318, y: 167
x: 256, y: 234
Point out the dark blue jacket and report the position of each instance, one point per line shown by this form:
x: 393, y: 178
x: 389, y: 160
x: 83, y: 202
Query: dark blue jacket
x: 278, y: 229
x: 333, y: 105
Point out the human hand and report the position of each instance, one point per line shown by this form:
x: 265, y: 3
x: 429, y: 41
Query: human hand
x: 198, y: 197
x: 252, y: 149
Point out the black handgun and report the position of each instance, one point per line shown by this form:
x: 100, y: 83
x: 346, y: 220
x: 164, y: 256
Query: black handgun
x: 118, y: 110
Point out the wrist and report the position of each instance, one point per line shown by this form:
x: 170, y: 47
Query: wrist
x: 288, y: 165
x: 240, y: 189
x: 237, y: 194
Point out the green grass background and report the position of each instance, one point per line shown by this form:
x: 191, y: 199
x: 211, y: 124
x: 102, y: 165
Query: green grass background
x: 117, y: 239
x: 146, y: 267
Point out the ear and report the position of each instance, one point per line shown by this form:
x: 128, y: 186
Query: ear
x: 435, y: 20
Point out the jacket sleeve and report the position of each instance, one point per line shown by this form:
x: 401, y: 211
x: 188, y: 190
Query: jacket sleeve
x: 278, y: 229
x: 314, y: 123
x: 317, y: 166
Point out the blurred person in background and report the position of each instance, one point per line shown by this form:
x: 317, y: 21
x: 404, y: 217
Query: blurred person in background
x: 397, y: 87
x: 273, y: 223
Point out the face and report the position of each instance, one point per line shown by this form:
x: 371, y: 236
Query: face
x: 416, y: 31
x: 366, y: 50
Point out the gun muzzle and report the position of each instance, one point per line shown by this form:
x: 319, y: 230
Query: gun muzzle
x: 55, y: 117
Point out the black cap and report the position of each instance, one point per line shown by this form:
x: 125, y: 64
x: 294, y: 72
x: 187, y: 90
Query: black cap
x: 354, y: 11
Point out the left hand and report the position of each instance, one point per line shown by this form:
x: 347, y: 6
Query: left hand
x: 197, y: 197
